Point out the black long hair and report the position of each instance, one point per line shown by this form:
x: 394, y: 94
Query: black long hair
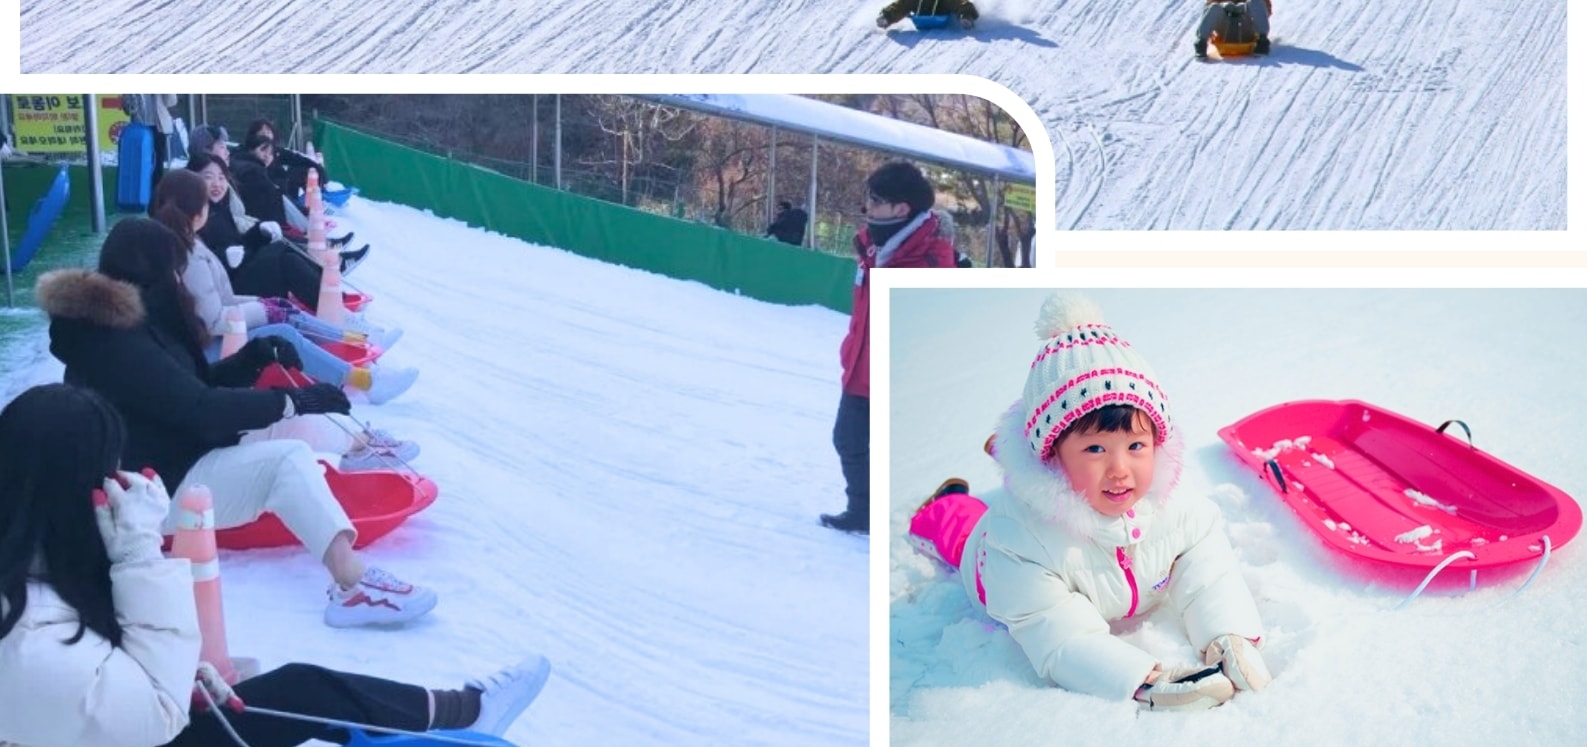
x: 148, y: 255
x: 57, y: 444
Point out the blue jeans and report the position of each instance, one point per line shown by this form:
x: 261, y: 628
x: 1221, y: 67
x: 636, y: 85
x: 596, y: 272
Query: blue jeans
x: 317, y: 361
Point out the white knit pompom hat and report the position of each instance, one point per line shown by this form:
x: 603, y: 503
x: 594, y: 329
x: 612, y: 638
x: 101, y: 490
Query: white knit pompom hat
x: 1082, y: 366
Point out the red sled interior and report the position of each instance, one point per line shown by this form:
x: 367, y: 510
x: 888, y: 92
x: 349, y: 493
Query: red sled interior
x: 1382, y: 487
x: 376, y: 502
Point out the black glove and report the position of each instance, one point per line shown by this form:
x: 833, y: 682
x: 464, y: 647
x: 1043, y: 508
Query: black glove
x: 319, y: 398
x: 263, y: 351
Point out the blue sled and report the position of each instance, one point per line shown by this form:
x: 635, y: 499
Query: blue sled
x: 42, y: 219
x: 930, y: 23
x: 338, y: 197
x: 447, y: 736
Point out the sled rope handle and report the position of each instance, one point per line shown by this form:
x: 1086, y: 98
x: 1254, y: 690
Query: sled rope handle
x: 1463, y: 427
x: 361, y: 727
x: 1548, y: 546
x: 1278, y: 474
x: 391, y: 460
x: 224, y: 722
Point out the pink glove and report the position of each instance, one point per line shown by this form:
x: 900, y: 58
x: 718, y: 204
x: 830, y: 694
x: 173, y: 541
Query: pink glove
x: 277, y: 310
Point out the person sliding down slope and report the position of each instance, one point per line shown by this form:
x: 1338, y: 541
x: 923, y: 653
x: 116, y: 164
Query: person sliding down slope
x: 1224, y: 17
x: 898, y: 10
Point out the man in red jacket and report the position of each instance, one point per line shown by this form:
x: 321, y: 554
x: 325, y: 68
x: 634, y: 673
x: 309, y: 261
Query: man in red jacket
x: 900, y: 231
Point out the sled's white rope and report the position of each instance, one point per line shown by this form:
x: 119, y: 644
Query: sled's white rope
x: 391, y: 460
x: 1548, y: 547
x: 224, y: 723
x: 361, y: 727
x: 1431, y: 574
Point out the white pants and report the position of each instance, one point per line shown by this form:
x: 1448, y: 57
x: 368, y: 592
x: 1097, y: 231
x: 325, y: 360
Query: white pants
x: 281, y: 477
x: 1213, y: 16
x: 330, y: 434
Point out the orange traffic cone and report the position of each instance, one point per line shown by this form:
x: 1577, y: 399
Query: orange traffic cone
x: 330, y: 308
x: 316, y: 206
x: 195, y: 540
x: 236, y: 333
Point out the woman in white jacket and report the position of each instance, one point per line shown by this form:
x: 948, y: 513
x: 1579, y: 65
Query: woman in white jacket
x: 1090, y: 454
x: 99, y: 636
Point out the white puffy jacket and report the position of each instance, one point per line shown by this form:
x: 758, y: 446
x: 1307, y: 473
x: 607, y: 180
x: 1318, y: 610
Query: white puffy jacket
x: 210, y: 286
x: 1056, y: 572
x: 90, y: 694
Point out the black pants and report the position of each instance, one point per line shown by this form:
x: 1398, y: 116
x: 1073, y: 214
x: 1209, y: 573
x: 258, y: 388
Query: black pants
x: 312, y: 691
x: 851, y: 435
x: 162, y: 154
x: 276, y: 269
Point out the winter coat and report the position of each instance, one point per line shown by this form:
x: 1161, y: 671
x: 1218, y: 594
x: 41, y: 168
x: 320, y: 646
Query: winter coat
x: 91, y: 694
x: 1056, y: 572
x: 210, y: 286
x: 290, y: 171
x: 261, y: 198
x: 132, y: 349
x: 916, y: 245
x: 789, y: 226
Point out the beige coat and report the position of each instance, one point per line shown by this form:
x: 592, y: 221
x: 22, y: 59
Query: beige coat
x: 210, y: 286
x: 90, y: 694
x: 1053, y: 569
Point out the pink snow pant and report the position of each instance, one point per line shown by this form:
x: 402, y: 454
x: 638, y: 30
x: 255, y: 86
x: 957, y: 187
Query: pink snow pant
x: 948, y: 523
x: 1213, y: 16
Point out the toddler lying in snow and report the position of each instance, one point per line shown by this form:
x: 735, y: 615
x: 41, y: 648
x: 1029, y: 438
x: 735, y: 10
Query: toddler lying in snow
x: 1090, y: 454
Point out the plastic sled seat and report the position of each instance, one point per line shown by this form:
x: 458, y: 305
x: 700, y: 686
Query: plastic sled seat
x: 1383, y: 488
x: 277, y: 376
x: 338, y: 197
x: 376, y: 501
x: 1233, y: 49
x: 42, y: 219
x: 446, y: 737
x: 356, y: 353
x: 354, y: 302
x: 930, y: 23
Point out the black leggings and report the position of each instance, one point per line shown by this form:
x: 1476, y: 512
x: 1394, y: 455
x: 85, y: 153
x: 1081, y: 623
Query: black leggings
x: 276, y: 269
x: 312, y: 691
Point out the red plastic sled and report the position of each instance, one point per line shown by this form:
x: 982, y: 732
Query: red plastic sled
x: 355, y: 302
x: 376, y: 501
x: 1382, y: 487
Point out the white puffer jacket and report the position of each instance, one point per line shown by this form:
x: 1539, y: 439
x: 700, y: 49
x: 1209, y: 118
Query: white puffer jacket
x: 90, y: 694
x: 210, y: 286
x: 1056, y: 572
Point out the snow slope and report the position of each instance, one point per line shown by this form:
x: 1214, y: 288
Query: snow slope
x: 1368, y: 115
x: 1451, y: 668
x: 630, y: 470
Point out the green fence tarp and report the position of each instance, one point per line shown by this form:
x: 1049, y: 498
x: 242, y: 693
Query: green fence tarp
x: 756, y: 267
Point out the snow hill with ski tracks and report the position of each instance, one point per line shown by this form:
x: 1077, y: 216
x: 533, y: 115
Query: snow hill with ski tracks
x: 1368, y: 115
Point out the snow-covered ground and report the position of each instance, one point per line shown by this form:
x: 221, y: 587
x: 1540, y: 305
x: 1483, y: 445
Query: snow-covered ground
x: 1451, y: 668
x: 1368, y: 115
x: 630, y: 471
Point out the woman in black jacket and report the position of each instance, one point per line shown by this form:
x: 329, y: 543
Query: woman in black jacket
x: 128, y: 332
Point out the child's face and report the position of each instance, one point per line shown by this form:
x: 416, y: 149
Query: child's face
x: 1112, y: 469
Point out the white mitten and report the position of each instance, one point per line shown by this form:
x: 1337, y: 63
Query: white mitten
x: 209, y: 682
x: 130, y: 509
x: 1240, y: 661
x: 1186, y: 689
x: 272, y: 229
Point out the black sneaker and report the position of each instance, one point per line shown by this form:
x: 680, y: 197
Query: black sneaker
x: 340, y: 241
x: 847, y: 522
x: 351, y: 260
x: 1200, y: 46
x: 1262, y: 45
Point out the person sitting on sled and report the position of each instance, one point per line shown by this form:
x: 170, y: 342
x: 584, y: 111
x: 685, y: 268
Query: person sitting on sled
x: 127, y: 332
x: 1220, y: 14
x: 99, y: 634
x: 898, y: 10
x: 1090, y: 455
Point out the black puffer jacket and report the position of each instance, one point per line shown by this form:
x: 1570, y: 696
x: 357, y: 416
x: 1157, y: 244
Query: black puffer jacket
x: 131, y: 348
x: 260, y: 196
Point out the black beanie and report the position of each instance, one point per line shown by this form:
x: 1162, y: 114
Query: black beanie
x: 900, y: 181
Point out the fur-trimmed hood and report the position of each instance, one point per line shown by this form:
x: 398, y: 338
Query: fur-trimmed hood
x: 85, y: 295
x: 1045, y: 493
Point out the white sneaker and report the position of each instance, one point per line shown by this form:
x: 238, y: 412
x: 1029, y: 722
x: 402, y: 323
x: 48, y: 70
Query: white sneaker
x: 505, y: 694
x: 384, y: 338
x: 379, y: 598
x: 388, y: 454
x: 387, y: 383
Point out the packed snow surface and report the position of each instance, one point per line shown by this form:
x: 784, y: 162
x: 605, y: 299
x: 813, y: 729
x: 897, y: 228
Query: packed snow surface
x: 959, y: 360
x: 1367, y: 115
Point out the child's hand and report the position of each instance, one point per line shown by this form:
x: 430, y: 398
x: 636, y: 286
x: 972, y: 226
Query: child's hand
x: 1186, y: 689
x: 1240, y: 662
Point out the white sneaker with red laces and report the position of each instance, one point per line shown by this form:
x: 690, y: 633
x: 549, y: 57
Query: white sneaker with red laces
x: 378, y: 598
